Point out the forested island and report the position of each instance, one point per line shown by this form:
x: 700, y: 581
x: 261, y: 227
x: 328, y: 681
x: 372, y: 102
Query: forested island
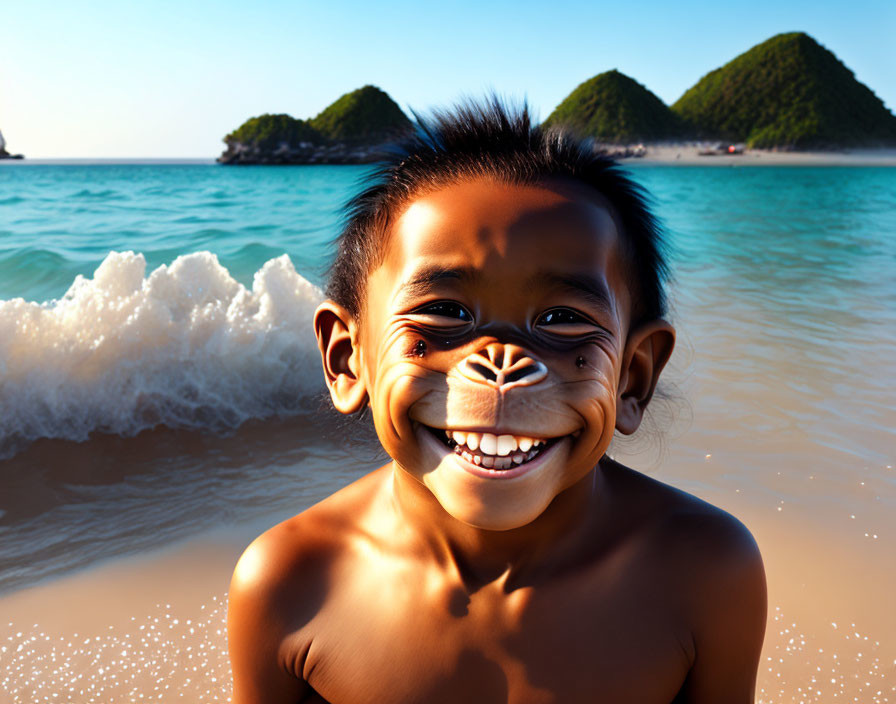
x: 349, y: 131
x: 615, y: 109
x: 787, y: 93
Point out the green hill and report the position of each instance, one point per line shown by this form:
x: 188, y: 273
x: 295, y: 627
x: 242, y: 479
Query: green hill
x: 611, y: 107
x: 788, y: 92
x: 350, y: 131
x: 365, y: 115
x: 270, y: 131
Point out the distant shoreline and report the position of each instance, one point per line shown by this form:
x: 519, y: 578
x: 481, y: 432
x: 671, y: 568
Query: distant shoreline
x: 110, y: 161
x: 664, y: 154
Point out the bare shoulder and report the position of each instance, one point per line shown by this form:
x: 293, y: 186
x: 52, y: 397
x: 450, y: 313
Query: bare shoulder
x: 280, y: 583
x: 710, y: 565
x: 686, y: 528
x: 289, y: 561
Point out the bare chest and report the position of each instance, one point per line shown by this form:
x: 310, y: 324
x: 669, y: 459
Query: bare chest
x: 576, y: 641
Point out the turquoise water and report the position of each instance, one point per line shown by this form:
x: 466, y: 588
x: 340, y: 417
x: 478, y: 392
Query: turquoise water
x: 786, y: 289
x: 807, y: 228
x: 784, y: 295
x: 57, y: 221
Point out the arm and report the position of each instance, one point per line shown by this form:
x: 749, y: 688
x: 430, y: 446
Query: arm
x: 257, y: 624
x: 729, y: 617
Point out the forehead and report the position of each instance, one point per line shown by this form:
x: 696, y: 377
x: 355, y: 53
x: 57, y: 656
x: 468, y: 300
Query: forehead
x: 505, y: 231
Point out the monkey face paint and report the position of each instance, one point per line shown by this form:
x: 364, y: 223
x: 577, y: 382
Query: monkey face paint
x: 491, y: 344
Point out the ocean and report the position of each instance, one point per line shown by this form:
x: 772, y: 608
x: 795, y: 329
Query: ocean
x: 159, y: 378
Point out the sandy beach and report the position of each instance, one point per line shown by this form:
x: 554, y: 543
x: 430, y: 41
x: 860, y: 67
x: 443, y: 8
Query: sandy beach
x: 688, y: 155
x: 144, y: 629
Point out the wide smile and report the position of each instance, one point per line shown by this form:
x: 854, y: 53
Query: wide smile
x: 494, y: 455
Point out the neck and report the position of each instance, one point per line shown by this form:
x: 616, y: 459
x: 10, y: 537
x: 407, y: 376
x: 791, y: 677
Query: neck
x: 550, y: 543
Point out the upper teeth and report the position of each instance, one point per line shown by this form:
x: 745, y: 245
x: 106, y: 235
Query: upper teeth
x: 489, y: 444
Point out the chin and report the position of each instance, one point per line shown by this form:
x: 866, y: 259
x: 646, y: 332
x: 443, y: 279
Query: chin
x: 489, y: 516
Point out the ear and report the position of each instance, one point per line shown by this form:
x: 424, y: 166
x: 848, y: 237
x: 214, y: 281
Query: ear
x: 337, y: 339
x: 647, y: 350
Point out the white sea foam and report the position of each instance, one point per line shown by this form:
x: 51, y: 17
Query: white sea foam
x: 187, y: 346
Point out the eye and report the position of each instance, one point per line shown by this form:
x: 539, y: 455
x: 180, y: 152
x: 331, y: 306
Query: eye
x: 565, y: 321
x: 443, y: 314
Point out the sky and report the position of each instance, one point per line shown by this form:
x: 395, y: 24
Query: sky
x: 166, y: 78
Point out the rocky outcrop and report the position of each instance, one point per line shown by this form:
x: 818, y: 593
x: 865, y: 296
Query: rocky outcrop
x: 301, y: 153
x: 5, y: 154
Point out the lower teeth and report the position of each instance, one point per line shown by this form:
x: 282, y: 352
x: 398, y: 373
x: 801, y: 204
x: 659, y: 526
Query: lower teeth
x: 492, y: 462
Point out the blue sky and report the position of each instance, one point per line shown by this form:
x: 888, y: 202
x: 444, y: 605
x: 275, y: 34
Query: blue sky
x: 161, y: 78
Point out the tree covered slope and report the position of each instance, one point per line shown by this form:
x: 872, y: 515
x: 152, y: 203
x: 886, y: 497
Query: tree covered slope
x: 367, y: 114
x: 788, y: 92
x: 611, y: 107
x: 347, y: 132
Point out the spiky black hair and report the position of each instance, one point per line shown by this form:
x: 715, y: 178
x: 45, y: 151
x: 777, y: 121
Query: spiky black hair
x: 492, y: 139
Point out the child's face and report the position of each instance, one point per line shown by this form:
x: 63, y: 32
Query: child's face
x: 499, y: 310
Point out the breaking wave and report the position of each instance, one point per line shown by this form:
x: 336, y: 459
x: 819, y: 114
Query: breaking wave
x: 186, y: 347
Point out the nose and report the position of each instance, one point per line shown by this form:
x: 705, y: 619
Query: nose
x: 503, y: 366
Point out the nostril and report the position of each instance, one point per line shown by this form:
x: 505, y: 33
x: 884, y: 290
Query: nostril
x: 482, y: 371
x: 521, y: 373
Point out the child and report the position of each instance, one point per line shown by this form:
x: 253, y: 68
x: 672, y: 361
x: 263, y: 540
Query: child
x: 497, y: 303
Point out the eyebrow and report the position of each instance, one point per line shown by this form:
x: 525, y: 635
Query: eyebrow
x: 425, y: 280
x: 589, y: 288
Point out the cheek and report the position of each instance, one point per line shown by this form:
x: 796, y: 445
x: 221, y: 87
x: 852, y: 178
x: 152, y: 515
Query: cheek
x: 392, y: 351
x: 593, y: 365
x: 593, y: 360
x: 595, y: 401
x: 400, y: 381
x: 592, y: 382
